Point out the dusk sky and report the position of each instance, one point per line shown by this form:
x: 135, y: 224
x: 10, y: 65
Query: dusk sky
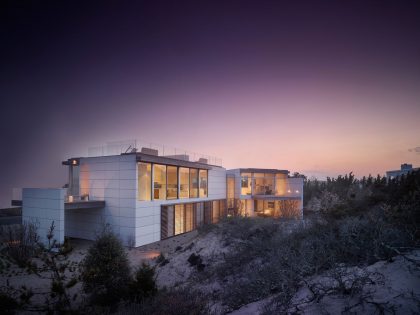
x: 318, y: 87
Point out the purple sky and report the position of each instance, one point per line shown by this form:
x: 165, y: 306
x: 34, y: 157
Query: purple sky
x: 321, y: 88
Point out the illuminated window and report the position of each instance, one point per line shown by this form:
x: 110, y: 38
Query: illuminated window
x: 216, y: 211
x: 189, y: 217
x: 179, y: 219
x: 184, y: 180
x: 172, y: 185
x: 193, y: 183
x: 144, y: 181
x: 203, y: 183
x: 159, y: 182
x: 245, y: 183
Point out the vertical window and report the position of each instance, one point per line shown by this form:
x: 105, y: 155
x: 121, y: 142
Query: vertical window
x: 189, y: 217
x: 246, y: 183
x: 172, y: 191
x: 199, y: 214
x: 159, y: 182
x: 193, y: 183
x: 184, y: 180
x: 203, y: 183
x: 144, y: 181
x: 179, y: 219
x: 216, y: 211
x: 207, y: 212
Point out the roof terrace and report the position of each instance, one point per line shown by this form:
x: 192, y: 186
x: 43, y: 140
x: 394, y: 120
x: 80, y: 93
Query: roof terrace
x: 153, y: 149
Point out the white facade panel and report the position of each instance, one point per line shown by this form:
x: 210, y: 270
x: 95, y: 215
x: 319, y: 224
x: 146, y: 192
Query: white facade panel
x: 44, y: 207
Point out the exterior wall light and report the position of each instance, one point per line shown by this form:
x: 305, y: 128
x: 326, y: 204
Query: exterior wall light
x: 297, y: 191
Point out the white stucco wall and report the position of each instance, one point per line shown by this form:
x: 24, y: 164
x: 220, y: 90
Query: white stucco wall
x: 42, y: 207
x: 112, y: 179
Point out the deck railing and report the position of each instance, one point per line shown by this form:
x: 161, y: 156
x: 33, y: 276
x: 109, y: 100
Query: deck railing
x: 130, y: 146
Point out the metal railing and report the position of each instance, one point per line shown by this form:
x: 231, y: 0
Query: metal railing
x: 130, y: 146
x: 287, y: 187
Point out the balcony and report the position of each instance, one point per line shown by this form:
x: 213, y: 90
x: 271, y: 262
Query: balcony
x: 266, y: 187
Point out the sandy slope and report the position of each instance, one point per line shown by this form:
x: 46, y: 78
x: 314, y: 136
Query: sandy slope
x: 394, y: 287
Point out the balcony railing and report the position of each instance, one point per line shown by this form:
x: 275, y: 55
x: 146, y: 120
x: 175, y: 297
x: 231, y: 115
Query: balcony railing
x: 131, y: 146
x: 287, y: 187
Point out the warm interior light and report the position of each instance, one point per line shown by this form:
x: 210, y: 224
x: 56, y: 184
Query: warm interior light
x: 74, y: 162
x: 289, y: 191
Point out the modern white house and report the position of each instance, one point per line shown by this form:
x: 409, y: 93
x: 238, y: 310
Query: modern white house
x: 146, y: 196
x: 404, y: 170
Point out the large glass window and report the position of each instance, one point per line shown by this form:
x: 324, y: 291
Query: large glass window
x: 179, y: 219
x: 199, y: 214
x: 184, y: 180
x: 245, y: 183
x: 216, y: 211
x: 203, y: 183
x: 193, y: 183
x: 144, y: 181
x: 172, y: 175
x: 189, y: 217
x: 159, y: 182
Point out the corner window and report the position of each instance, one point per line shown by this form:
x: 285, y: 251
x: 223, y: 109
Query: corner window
x: 144, y: 181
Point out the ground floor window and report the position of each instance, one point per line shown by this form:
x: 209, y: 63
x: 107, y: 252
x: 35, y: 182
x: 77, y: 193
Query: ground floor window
x: 182, y: 218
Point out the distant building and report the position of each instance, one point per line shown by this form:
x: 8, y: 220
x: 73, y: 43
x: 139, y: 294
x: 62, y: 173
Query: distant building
x: 405, y: 169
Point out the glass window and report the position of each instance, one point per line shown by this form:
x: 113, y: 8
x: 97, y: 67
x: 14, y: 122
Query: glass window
x: 159, y: 182
x: 203, y: 183
x: 246, y: 183
x: 216, y: 211
x: 172, y: 191
x: 179, y: 219
x: 144, y: 181
x: 193, y: 183
x: 184, y: 180
x: 189, y: 217
x: 199, y: 214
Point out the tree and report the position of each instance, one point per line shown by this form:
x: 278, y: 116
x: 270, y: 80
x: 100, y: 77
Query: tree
x: 105, y: 269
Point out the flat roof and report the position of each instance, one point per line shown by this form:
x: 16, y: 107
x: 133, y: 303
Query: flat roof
x: 150, y: 158
x: 142, y: 157
x: 263, y: 170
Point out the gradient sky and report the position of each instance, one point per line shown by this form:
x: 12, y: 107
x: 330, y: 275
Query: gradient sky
x: 319, y: 87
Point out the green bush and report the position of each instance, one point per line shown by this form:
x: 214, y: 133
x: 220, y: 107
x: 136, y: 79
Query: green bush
x: 170, y: 302
x: 105, y: 270
x: 8, y: 305
x: 143, y: 285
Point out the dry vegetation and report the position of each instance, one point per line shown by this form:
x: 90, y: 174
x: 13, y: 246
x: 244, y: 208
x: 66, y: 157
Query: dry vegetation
x: 351, y: 256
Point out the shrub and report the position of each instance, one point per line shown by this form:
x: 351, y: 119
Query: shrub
x: 8, y: 305
x: 105, y: 269
x: 143, y: 285
x: 21, y: 242
x: 171, y: 302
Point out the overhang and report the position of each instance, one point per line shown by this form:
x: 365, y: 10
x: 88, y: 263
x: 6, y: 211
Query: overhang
x: 141, y: 157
